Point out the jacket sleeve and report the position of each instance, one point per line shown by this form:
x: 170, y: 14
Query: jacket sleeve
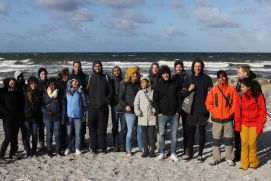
x: 180, y: 97
x: 43, y: 108
x: 64, y: 109
x: 110, y: 91
x: 137, y: 104
x: 262, y: 114
x: 186, y: 85
x: 237, y: 114
x: 156, y: 100
x: 233, y: 103
x: 122, y: 95
x: 210, y: 101
x: 84, y: 106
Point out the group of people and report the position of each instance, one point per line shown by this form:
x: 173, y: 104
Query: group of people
x: 141, y: 106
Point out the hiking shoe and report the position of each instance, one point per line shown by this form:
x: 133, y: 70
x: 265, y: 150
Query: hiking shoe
x: 200, y: 159
x: 50, y: 154
x: 41, y: 145
x: 151, y: 154
x: 213, y: 162
x: 230, y: 163
x: 174, y: 157
x: 145, y: 154
x: 67, y: 151
x: 186, y: 158
x: 116, y: 149
x: 92, y: 151
x: 77, y: 152
x: 161, y: 156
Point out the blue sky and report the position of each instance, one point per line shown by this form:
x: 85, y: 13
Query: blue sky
x: 135, y: 25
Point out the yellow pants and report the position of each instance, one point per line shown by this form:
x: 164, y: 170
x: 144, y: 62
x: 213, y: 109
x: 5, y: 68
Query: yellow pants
x: 249, y: 158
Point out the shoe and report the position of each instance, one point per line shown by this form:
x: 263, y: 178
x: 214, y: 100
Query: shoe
x: 174, y: 157
x: 50, y: 154
x: 213, y: 162
x: 3, y: 161
x: 145, y: 154
x: 41, y: 145
x: 92, y: 151
x: 230, y: 163
x: 200, y: 159
x: 122, y: 149
x: 186, y: 158
x: 59, y: 154
x: 128, y: 153
x: 28, y: 154
x: 151, y: 154
x: 77, y: 152
x: 67, y: 151
x: 161, y: 156
x: 116, y: 149
x: 104, y: 151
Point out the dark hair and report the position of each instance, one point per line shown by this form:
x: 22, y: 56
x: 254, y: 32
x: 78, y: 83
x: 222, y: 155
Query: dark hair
x: 52, y: 80
x: 164, y: 69
x: 154, y: 63
x: 42, y: 69
x: 254, y: 86
x: 221, y: 73
x: 178, y: 62
x: 63, y: 72
x: 77, y: 61
x: 197, y: 60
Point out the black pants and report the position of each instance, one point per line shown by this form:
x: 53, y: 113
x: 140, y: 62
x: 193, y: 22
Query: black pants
x: 237, y: 145
x: 191, y: 131
x: 83, y: 131
x: 63, y: 134
x: 41, y: 129
x: 23, y: 132
x: 148, y: 137
x: 97, y: 125
x: 11, y: 132
x: 184, y: 117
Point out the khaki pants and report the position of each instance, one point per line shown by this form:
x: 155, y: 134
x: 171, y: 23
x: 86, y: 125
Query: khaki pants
x: 219, y: 131
x: 249, y: 156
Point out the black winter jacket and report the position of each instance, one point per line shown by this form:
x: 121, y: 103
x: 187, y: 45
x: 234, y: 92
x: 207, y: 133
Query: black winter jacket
x: 128, y: 93
x: 32, y: 110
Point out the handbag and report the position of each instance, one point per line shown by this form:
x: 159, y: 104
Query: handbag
x: 188, y: 102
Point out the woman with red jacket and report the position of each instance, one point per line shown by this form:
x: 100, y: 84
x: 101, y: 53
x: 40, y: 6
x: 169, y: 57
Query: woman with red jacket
x: 250, y: 117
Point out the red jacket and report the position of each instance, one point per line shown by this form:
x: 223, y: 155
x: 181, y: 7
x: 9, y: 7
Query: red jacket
x: 252, y: 114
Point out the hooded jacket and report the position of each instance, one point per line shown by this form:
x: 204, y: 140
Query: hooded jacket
x: 221, y: 109
x: 116, y: 88
x: 154, y: 78
x: 99, y: 89
x: 250, y: 112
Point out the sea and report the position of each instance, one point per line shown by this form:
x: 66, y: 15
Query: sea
x: 29, y: 63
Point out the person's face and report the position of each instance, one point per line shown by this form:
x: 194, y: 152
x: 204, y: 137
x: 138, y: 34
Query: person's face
x: 65, y: 78
x: 244, y: 88
x: 241, y: 74
x: 43, y: 75
x: 11, y: 83
x: 97, y: 68
x: 144, y: 84
x: 165, y: 76
x: 116, y: 72
x: 154, y: 69
x: 178, y: 68
x: 134, y: 77
x: 197, y: 68
x: 33, y: 85
x: 75, y: 83
x: 76, y: 68
x: 222, y: 80
x: 52, y: 86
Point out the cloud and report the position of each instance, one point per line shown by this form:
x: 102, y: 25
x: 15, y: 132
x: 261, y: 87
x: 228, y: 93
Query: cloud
x: 211, y: 17
x: 123, y: 4
x: 176, y: 4
x: 4, y: 8
x: 172, y: 31
x: 243, y: 10
x: 61, y: 5
x: 125, y: 23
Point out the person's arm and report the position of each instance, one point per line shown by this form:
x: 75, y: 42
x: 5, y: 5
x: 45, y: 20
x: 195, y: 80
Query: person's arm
x: 110, y: 90
x: 122, y: 94
x: 233, y: 102
x: 137, y: 110
x: 156, y: 100
x: 210, y: 101
x: 237, y: 114
x: 180, y: 97
x: 262, y: 114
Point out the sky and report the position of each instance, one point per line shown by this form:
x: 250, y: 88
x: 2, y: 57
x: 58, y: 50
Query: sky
x: 135, y: 26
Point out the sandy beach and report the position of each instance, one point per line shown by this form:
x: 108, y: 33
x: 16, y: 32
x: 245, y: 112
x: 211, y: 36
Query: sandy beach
x: 118, y: 166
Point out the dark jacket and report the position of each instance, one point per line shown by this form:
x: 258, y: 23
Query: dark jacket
x: 52, y: 108
x: 128, y: 93
x: 251, y: 76
x: 62, y: 86
x: 32, y: 110
x: 167, y: 97
x: 180, y: 77
x: 42, y: 85
x: 82, y: 77
x: 116, y: 88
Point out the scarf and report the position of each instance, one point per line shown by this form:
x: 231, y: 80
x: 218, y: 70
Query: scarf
x: 52, y: 94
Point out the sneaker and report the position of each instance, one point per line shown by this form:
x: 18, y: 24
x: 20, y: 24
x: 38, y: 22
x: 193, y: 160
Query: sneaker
x: 145, y: 154
x: 151, y: 154
x: 200, y: 159
x: 161, y: 156
x: 92, y: 151
x: 104, y: 151
x: 174, y: 157
x: 186, y: 158
x: 230, y: 163
x: 59, y: 153
x: 213, y: 162
x: 116, y: 149
x: 67, y: 151
x: 50, y: 154
x: 128, y: 153
x: 77, y: 152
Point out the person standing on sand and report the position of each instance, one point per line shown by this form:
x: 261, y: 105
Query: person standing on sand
x: 154, y: 74
x: 144, y: 110
x: 76, y: 108
x: 78, y: 73
x: 99, y: 93
x: 42, y: 84
x: 11, y: 106
x: 221, y: 102
x: 117, y: 113
x: 250, y: 117
x: 167, y: 104
x: 243, y: 71
x: 200, y: 83
x: 128, y: 90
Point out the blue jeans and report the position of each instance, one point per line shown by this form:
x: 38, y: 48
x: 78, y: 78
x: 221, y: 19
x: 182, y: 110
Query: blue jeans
x: 74, y: 124
x: 52, y: 128
x: 119, y: 138
x: 131, y: 122
x: 31, y: 129
x: 162, y: 122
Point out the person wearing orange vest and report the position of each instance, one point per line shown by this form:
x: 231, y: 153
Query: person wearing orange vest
x: 220, y: 102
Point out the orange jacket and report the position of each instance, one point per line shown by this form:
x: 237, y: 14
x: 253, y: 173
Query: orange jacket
x: 217, y: 105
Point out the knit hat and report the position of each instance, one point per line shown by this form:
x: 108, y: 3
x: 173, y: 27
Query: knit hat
x: 145, y: 78
x: 42, y: 69
x: 32, y: 79
x: 130, y: 71
x: 17, y: 73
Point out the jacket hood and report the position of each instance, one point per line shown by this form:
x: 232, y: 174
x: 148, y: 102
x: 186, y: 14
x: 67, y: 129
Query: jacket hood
x: 99, y: 63
x: 17, y: 73
x: 252, y: 75
x: 193, y: 64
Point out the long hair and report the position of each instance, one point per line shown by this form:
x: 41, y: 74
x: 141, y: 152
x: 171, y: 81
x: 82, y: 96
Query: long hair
x: 254, y: 85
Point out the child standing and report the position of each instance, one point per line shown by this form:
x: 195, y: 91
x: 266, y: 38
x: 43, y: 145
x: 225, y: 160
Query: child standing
x: 146, y: 118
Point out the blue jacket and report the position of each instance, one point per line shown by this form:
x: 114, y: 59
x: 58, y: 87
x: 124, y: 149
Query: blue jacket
x: 52, y: 106
x: 76, y: 103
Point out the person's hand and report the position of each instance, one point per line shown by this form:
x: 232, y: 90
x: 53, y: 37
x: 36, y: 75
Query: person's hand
x: 191, y: 87
x: 50, y: 113
x: 128, y: 108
